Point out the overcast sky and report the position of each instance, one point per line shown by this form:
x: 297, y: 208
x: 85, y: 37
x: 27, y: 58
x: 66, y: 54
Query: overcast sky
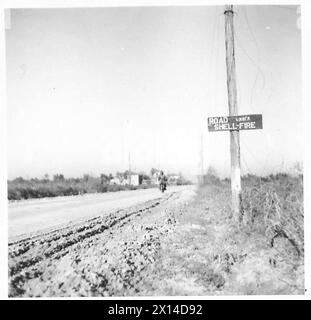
x: 86, y: 87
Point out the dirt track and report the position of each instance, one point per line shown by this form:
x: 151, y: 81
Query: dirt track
x: 29, y: 216
x: 100, y: 256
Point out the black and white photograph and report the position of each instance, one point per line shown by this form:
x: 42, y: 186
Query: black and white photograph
x: 154, y: 151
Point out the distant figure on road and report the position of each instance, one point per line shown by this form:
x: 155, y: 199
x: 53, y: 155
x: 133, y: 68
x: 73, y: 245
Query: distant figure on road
x: 162, y: 181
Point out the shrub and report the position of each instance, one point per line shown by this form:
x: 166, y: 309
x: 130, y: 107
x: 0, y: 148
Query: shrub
x: 275, y: 208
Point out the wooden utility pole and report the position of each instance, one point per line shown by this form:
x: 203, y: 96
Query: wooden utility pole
x: 233, y: 111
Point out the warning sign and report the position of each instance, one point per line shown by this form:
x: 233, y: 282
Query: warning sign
x: 234, y: 123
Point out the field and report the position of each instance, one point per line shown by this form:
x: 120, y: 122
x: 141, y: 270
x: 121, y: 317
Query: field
x: 20, y: 189
x: 182, y: 243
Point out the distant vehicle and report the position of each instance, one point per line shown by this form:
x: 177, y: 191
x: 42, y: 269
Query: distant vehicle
x: 162, y: 186
x: 162, y: 181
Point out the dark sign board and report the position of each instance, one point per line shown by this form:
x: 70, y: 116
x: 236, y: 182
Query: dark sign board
x: 229, y: 123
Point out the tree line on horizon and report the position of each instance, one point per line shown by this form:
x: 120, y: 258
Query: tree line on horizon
x: 21, y: 188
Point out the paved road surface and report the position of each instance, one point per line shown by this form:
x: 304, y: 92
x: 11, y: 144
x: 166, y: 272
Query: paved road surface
x: 38, y: 214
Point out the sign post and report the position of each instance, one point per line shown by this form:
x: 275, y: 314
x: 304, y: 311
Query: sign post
x: 234, y: 122
x: 233, y: 111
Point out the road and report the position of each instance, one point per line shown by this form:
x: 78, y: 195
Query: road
x: 106, y: 253
x: 34, y: 215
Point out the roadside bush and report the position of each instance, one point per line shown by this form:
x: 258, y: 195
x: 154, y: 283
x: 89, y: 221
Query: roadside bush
x: 14, y: 194
x: 211, y: 177
x: 102, y: 188
x: 275, y: 208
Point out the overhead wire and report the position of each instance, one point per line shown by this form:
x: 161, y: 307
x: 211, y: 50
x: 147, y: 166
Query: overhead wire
x: 217, y: 57
x: 256, y: 64
x: 211, y: 48
x: 259, y: 69
x: 259, y: 72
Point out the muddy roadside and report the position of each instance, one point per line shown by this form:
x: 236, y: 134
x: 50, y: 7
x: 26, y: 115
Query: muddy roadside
x: 102, y: 256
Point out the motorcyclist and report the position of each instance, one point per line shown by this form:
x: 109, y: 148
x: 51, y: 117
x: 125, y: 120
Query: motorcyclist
x: 162, y: 180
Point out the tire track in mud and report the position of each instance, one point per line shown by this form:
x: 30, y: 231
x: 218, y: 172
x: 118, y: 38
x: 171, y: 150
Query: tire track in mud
x: 29, y: 258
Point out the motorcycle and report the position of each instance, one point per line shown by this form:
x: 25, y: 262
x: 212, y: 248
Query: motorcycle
x: 162, y: 186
